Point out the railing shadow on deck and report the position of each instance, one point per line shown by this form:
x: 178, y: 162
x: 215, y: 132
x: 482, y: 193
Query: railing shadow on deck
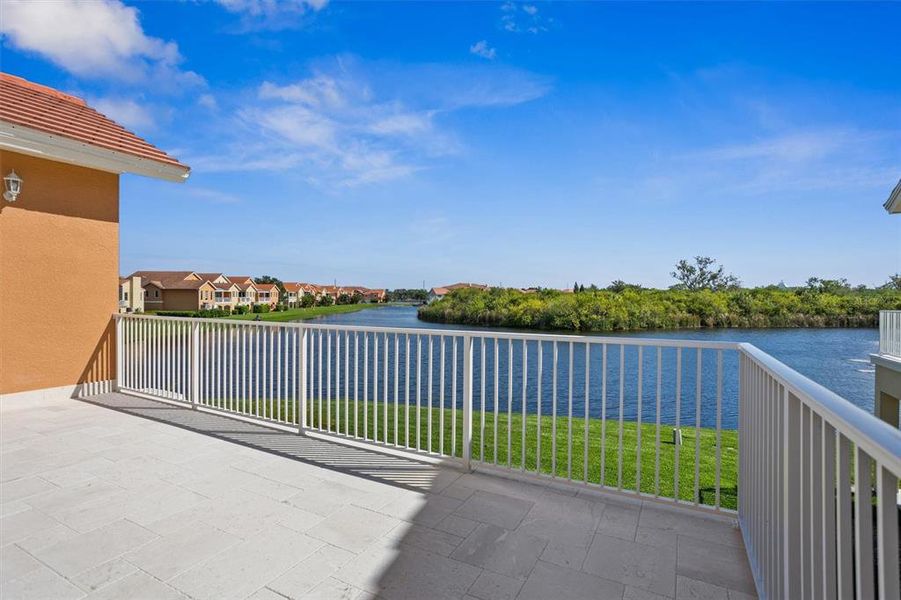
x: 368, y: 464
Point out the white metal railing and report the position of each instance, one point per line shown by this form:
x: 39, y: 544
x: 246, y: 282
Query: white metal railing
x: 603, y: 412
x: 818, y: 492
x: 890, y: 332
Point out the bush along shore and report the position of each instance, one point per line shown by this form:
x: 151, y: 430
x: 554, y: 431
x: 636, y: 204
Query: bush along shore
x: 634, y: 308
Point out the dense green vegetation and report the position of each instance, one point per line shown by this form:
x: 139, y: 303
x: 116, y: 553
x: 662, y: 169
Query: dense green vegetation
x: 342, y: 420
x: 627, y: 307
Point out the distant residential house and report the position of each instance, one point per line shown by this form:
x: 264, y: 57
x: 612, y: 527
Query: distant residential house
x: 225, y: 294
x: 267, y: 293
x: 375, y: 295
x: 176, y: 290
x: 295, y: 292
x: 131, y: 295
x: 247, y: 289
x: 436, y: 293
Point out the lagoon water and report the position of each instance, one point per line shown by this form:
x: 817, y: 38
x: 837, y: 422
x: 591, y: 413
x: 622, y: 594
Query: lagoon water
x: 838, y: 359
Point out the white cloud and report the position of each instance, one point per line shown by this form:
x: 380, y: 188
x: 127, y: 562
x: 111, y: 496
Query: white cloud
x: 351, y: 123
x: 792, y: 163
x: 211, y: 195
x: 792, y: 147
x: 126, y: 112
x: 482, y: 49
x: 208, y: 101
x: 523, y: 18
x: 96, y: 39
x: 272, y: 14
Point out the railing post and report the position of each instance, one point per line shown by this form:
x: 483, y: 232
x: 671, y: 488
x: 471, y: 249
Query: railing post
x: 302, y: 380
x: 120, y: 349
x: 467, y: 401
x: 195, y: 363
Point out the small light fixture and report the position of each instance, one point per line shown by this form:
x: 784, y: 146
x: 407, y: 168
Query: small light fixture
x: 13, y: 185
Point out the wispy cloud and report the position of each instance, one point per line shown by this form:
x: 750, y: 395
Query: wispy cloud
x: 824, y: 159
x: 523, y: 18
x: 272, y: 15
x: 211, y: 195
x: 352, y: 123
x: 94, y: 40
x: 481, y: 48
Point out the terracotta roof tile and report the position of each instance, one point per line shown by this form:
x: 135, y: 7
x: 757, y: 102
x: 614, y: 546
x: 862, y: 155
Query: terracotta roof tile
x: 42, y: 108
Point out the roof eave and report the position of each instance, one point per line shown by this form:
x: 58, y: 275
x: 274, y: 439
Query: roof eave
x: 893, y: 204
x: 24, y: 140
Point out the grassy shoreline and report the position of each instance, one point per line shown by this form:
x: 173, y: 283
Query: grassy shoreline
x: 561, y: 468
x: 299, y: 314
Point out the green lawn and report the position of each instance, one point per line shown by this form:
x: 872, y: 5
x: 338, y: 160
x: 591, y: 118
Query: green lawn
x: 630, y: 444
x: 295, y: 314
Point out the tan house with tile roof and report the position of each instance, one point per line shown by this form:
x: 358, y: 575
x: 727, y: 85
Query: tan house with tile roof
x: 436, y: 293
x: 131, y: 295
x: 61, y: 232
x: 247, y: 289
x: 176, y: 290
x: 295, y: 291
x: 267, y: 293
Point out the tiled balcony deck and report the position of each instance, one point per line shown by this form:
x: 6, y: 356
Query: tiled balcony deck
x: 154, y: 501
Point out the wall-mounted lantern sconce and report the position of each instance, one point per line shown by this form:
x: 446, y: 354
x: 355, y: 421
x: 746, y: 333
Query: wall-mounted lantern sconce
x: 13, y: 185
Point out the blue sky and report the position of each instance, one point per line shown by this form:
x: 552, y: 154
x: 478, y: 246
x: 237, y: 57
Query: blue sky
x: 387, y: 144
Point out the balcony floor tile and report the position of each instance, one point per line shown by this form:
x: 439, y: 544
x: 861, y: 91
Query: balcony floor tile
x: 122, y: 497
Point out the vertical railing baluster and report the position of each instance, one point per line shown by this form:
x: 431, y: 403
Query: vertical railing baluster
x: 429, y: 395
x: 657, y: 423
x: 496, y: 395
x: 375, y: 387
x: 887, y: 532
x: 569, y: 417
x: 678, y: 434
x: 603, y: 480
x: 319, y: 378
x: 525, y: 402
x: 407, y: 387
x: 467, y: 402
x: 509, y: 402
x: 554, y: 412
x: 482, y: 378
x: 538, y: 385
x: 441, y: 400
x: 357, y: 383
x: 719, y: 424
x: 791, y: 505
x: 454, y: 396
x: 396, y: 384
x: 863, y: 524
x: 638, y: 421
x: 195, y: 364
x: 585, y: 435
x: 698, y: 385
x: 328, y: 380
x: 347, y: 383
x: 120, y: 351
x: 385, y: 389
x: 622, y: 398
x: 419, y: 392
x: 338, y: 381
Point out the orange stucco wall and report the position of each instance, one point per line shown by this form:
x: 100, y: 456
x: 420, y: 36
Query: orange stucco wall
x: 59, y: 263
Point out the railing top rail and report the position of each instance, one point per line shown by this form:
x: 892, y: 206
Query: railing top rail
x: 505, y: 335
x: 876, y: 437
